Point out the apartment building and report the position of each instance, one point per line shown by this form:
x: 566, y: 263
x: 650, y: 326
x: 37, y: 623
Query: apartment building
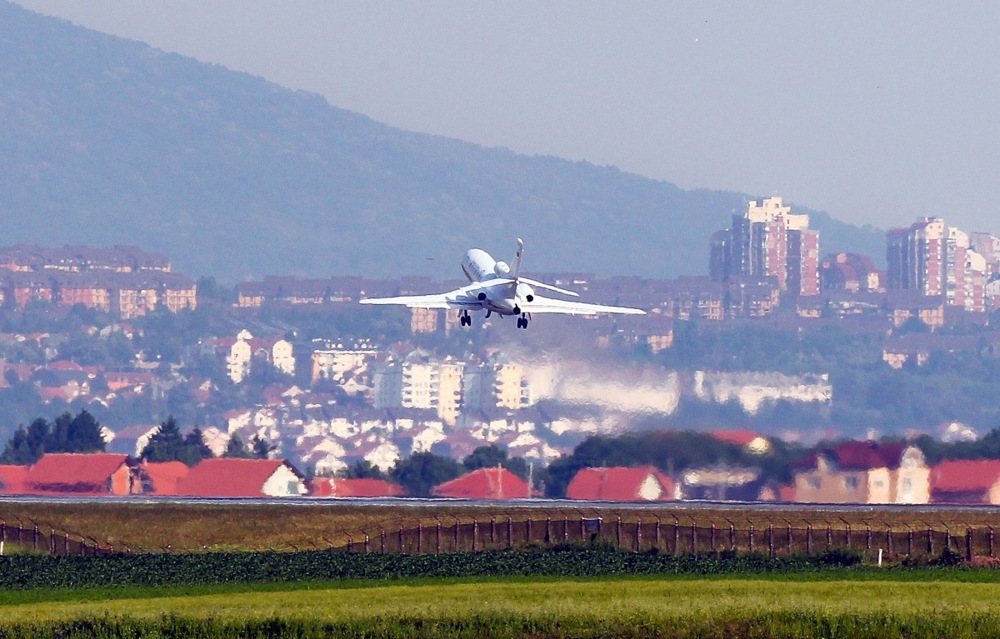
x: 768, y: 241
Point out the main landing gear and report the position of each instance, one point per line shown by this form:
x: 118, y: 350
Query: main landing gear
x: 464, y: 319
x: 522, y: 322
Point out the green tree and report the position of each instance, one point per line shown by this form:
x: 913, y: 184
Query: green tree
x: 166, y: 444
x: 363, y: 469
x: 236, y: 448
x: 492, y: 456
x: 421, y: 472
x: 84, y: 434
x: 260, y: 448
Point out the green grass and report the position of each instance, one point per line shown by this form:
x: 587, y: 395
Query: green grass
x: 548, y: 608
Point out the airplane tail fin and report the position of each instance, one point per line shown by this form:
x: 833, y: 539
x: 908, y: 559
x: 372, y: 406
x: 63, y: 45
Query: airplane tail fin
x: 515, y: 264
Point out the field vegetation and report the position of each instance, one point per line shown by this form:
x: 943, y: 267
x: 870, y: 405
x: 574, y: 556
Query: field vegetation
x: 305, y: 525
x: 630, y: 607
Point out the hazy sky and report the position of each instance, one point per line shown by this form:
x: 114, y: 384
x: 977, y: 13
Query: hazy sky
x: 875, y: 112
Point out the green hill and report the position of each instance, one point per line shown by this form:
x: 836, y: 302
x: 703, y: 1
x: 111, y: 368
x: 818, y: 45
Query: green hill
x: 108, y: 141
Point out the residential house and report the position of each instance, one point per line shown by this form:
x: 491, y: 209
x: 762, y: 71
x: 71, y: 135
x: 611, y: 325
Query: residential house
x: 645, y: 483
x: 224, y: 477
x: 337, y: 487
x: 966, y: 481
x: 73, y: 473
x: 12, y: 479
x: 162, y: 477
x: 864, y: 473
x: 485, y: 483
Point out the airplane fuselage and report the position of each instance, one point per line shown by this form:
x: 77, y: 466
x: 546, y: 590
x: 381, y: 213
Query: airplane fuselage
x: 479, y: 266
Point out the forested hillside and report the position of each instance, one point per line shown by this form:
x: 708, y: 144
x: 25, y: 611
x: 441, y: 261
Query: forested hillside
x: 106, y: 141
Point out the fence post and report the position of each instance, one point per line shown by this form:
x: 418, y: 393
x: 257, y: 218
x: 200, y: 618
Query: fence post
x: 3, y: 530
x: 656, y: 533
x: 930, y: 541
x: 402, y: 550
x: 381, y: 539
x: 565, y: 528
x: 789, y: 538
x: 34, y: 537
x: 493, y: 531
x: 732, y: 536
x: 947, y: 539
x: 888, y: 539
x: 583, y: 531
x: 868, y: 537
x: 770, y: 540
x: 712, y: 537
x: 638, y: 534
x: 510, y: 533
x: 420, y: 538
x: 475, y: 533
x: 437, y: 538
x: 990, y: 540
x: 829, y: 536
x: 968, y: 544
x: 809, y: 539
x: 694, y: 538
x: 527, y: 530
x: 458, y: 536
x: 52, y: 540
x: 548, y: 529
x: 909, y: 542
x: 677, y: 536
x: 65, y: 543
x: 750, y: 538
x: 618, y: 531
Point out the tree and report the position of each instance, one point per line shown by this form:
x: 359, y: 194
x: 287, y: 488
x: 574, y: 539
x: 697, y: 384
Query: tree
x: 260, y: 448
x: 195, y: 443
x: 236, y: 448
x: 421, y: 472
x: 363, y: 469
x: 166, y: 444
x: 492, y: 456
x: 84, y: 434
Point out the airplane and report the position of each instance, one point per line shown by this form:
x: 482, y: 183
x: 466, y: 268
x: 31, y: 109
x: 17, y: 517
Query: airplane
x: 498, y: 287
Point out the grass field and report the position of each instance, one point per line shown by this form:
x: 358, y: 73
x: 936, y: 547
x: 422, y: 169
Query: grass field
x: 918, y: 605
x: 247, y: 527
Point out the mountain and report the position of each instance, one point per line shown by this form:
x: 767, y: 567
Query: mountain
x: 108, y: 141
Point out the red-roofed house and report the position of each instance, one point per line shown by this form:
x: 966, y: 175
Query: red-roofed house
x: 966, y: 481
x: 485, y: 483
x: 223, y: 477
x: 336, y: 487
x: 163, y: 477
x: 12, y: 479
x: 97, y: 473
x: 856, y: 472
x: 645, y: 483
x: 753, y: 442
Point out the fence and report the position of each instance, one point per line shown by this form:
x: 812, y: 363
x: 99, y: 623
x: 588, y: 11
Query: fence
x: 48, y: 539
x: 673, y: 538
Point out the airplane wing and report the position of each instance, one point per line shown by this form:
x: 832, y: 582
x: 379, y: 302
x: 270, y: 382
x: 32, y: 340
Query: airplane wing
x: 464, y: 298
x: 550, y: 305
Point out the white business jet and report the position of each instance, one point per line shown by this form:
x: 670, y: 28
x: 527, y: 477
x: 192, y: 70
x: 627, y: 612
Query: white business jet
x: 500, y: 288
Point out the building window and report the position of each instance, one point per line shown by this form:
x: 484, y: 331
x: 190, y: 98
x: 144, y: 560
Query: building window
x: 851, y: 483
x: 813, y: 483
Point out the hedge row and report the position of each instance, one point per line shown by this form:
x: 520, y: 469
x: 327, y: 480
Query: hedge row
x: 22, y: 572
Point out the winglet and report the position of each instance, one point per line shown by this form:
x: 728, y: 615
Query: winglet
x: 515, y: 264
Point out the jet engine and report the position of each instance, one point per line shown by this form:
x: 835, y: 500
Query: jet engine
x: 525, y: 292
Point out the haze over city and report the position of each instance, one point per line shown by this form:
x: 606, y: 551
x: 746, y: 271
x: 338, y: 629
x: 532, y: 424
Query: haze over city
x: 876, y: 114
